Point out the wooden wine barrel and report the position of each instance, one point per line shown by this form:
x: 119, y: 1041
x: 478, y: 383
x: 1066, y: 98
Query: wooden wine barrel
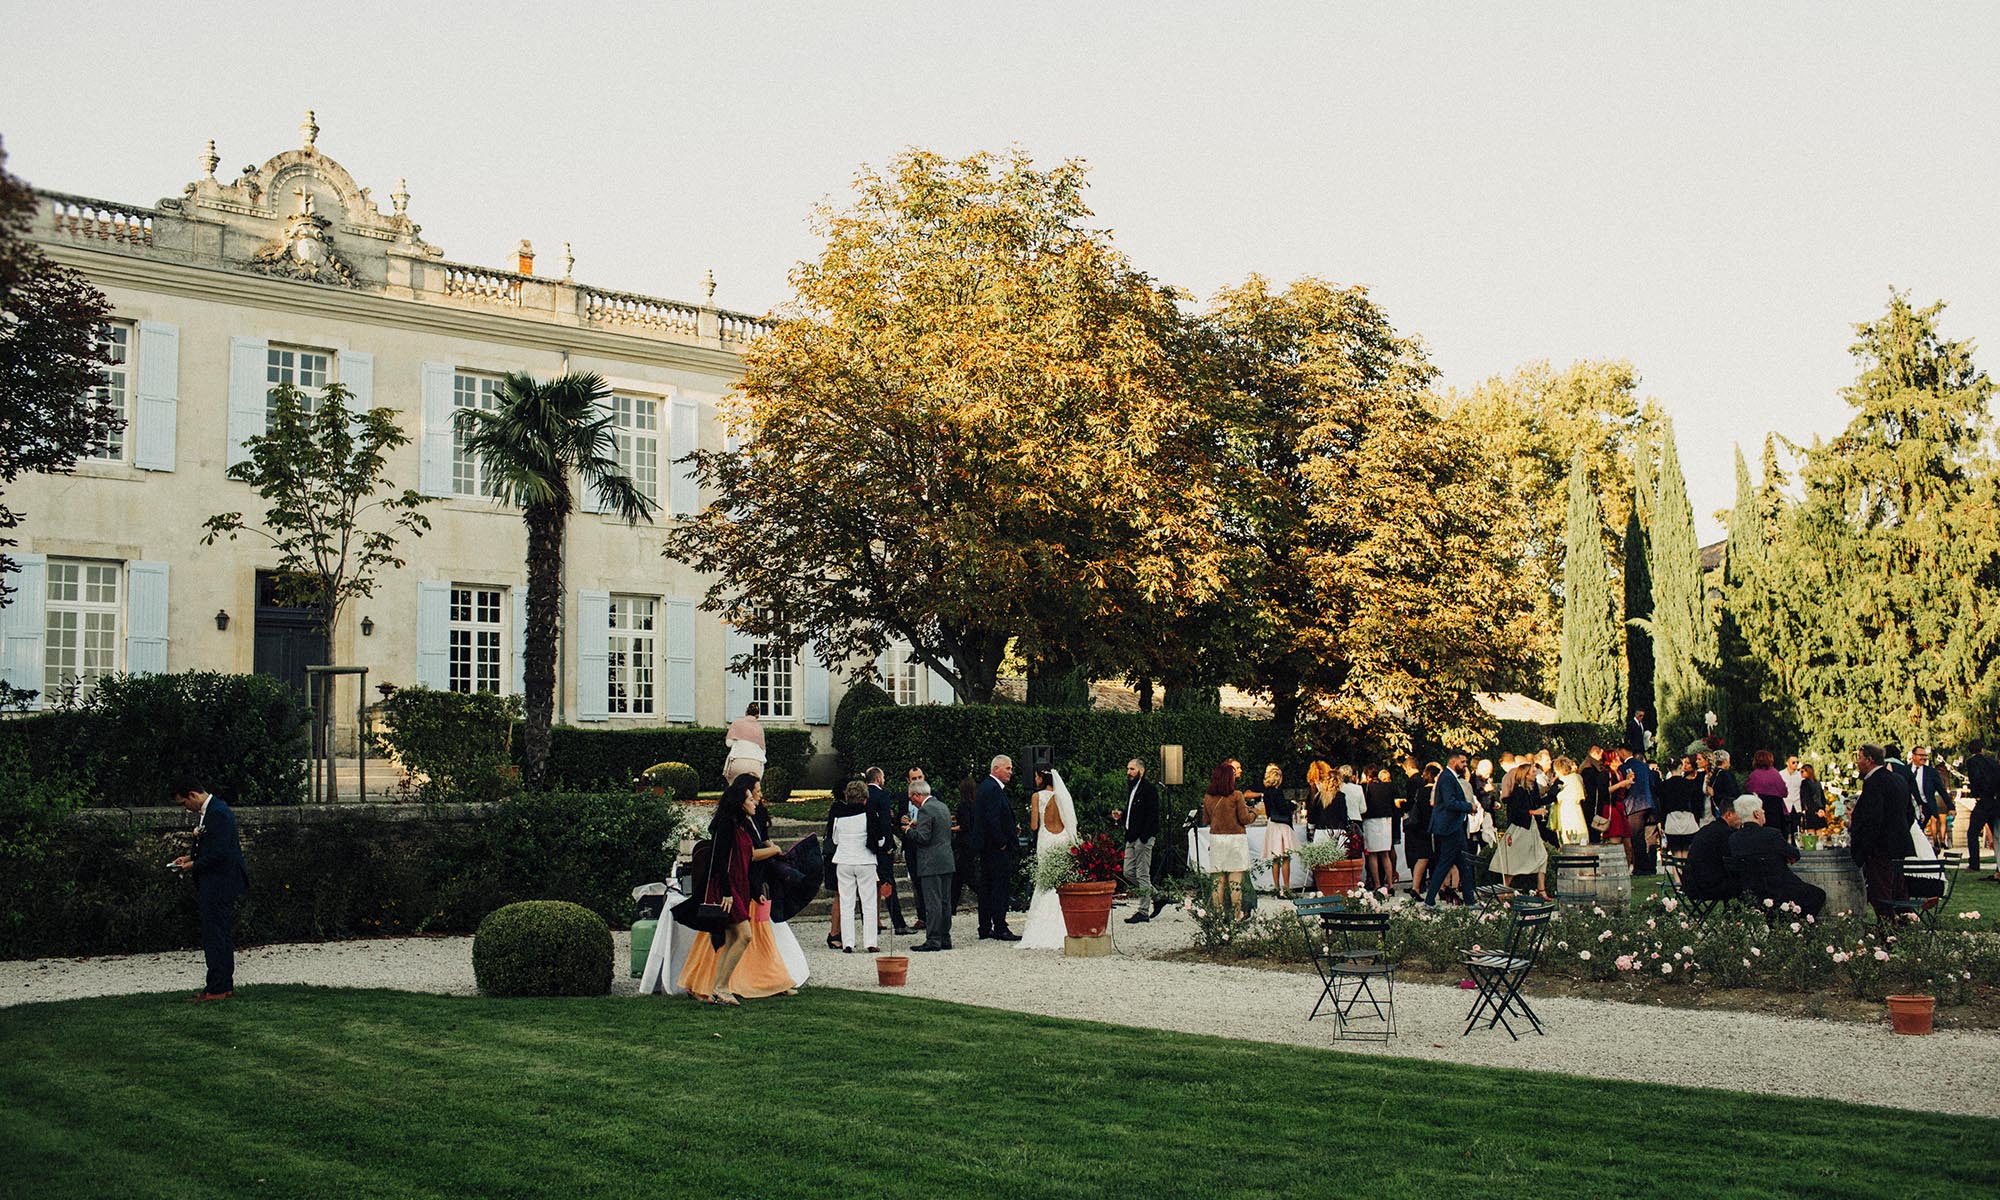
x: 1593, y: 875
x: 1834, y: 870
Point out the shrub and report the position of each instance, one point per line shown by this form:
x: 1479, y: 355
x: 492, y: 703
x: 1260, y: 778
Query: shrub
x: 542, y: 948
x: 455, y: 742
x: 592, y: 760
x: 777, y: 784
x: 861, y: 696
x: 681, y: 781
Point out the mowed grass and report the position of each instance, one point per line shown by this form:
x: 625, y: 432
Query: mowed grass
x: 294, y: 1091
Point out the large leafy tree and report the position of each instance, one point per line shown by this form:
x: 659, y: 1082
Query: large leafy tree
x: 1879, y: 617
x: 1590, y: 684
x: 1684, y: 649
x: 540, y: 442
x: 975, y: 425
x: 1363, y: 520
x: 52, y: 411
x: 331, y: 513
x: 1535, y: 421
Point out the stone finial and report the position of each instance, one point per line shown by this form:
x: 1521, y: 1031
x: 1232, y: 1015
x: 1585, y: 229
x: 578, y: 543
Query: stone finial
x: 209, y: 161
x: 524, y: 258
x: 708, y: 285
x: 309, y: 130
x: 400, y: 198
x: 569, y: 261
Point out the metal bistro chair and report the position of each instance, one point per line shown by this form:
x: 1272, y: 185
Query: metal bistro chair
x: 1350, y: 950
x: 1930, y: 881
x: 1676, y: 863
x: 1499, y: 976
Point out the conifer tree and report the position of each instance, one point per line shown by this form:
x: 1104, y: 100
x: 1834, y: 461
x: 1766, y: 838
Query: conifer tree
x: 1639, y: 586
x: 1587, y: 685
x: 1684, y: 656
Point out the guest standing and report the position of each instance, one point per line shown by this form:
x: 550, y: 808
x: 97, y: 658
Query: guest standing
x: 888, y: 815
x: 1931, y: 798
x: 743, y: 745
x: 1638, y: 778
x: 1378, y: 829
x: 1721, y: 786
x: 1229, y: 817
x: 1521, y: 851
x: 1322, y: 800
x: 995, y: 834
x: 1982, y: 779
x: 1140, y: 818
x: 1280, y: 839
x: 1352, y: 803
x: 1681, y: 803
x: 1636, y: 737
x: 1617, y: 830
x: 965, y: 858
x: 1768, y: 785
x: 1571, y: 826
x: 1879, y: 829
x: 1450, y: 806
x: 732, y: 842
x: 1812, y: 800
x: 220, y: 879
x: 927, y: 841
x: 857, y: 832
x: 1596, y: 786
x: 1417, y: 845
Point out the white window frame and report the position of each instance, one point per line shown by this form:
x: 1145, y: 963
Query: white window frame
x: 308, y: 368
x: 476, y: 653
x: 120, y: 340
x: 635, y: 422
x: 774, y: 682
x: 77, y: 614
x: 903, y: 681
x: 480, y: 390
x: 632, y: 683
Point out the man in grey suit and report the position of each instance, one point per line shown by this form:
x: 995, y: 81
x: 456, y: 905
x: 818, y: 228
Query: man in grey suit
x: 927, y: 843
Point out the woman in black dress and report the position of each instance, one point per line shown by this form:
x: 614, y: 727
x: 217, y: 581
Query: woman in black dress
x: 1378, y: 828
x: 1417, y: 824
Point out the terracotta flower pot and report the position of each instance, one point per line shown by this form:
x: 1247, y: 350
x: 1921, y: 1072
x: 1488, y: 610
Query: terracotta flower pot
x: 892, y: 970
x: 1338, y: 879
x: 1086, y: 907
x: 1911, y: 1014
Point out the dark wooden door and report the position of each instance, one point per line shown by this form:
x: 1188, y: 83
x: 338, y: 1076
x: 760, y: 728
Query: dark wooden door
x: 286, y: 640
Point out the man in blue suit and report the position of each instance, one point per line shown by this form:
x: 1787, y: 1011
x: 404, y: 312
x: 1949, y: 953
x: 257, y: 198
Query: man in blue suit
x: 220, y: 879
x: 992, y: 836
x: 1450, y: 806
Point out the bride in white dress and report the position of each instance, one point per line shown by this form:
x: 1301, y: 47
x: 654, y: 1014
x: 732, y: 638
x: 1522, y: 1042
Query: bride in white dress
x: 1054, y: 820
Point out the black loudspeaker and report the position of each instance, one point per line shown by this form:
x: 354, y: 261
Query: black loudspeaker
x: 1036, y: 758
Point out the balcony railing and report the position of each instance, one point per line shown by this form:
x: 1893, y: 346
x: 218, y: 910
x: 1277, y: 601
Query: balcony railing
x: 482, y: 283
x: 644, y: 312
x: 85, y: 219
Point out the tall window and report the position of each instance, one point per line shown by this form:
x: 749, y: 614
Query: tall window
x: 116, y: 390
x: 468, y: 474
x: 637, y: 420
x: 81, y: 646
x: 773, y: 676
x: 633, y: 648
x: 476, y: 639
x: 902, y: 682
x: 306, y: 370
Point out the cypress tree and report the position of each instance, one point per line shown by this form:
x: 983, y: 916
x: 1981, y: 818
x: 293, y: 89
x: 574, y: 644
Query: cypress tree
x: 1587, y: 678
x: 1684, y: 651
x: 1745, y: 547
x: 1639, y: 585
x: 1771, y: 490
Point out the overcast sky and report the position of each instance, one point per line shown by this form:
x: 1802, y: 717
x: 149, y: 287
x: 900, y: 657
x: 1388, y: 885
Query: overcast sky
x: 1714, y: 192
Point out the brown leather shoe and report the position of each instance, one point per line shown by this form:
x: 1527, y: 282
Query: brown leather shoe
x: 205, y: 997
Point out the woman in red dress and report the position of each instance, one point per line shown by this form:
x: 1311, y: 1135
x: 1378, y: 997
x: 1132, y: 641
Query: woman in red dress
x: 1619, y: 830
x: 729, y: 882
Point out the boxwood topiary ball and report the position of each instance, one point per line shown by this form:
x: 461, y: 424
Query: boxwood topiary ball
x: 542, y: 948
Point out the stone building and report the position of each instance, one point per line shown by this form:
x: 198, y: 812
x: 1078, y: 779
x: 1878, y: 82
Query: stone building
x: 293, y: 273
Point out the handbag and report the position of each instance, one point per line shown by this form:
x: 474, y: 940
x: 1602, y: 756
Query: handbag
x: 1600, y: 823
x: 711, y: 913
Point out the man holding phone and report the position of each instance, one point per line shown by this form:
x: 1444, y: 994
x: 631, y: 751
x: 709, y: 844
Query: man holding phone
x: 220, y: 879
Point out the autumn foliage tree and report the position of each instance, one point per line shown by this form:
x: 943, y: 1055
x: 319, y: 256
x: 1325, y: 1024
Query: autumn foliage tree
x: 974, y: 425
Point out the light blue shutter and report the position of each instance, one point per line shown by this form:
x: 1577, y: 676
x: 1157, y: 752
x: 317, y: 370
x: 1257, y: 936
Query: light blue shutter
x: 146, y: 618
x: 248, y: 385
x: 521, y: 641
x: 24, y: 623
x: 593, y: 656
x: 815, y: 687
x: 677, y: 631
x: 434, y: 439
x: 357, y: 375
x: 683, y: 428
x: 434, y: 635
x: 158, y: 413
x: 736, y: 689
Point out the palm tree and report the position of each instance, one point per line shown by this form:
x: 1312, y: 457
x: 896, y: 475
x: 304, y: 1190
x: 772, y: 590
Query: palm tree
x: 530, y: 443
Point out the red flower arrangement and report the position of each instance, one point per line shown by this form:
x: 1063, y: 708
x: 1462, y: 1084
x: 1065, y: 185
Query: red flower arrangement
x: 1097, y: 859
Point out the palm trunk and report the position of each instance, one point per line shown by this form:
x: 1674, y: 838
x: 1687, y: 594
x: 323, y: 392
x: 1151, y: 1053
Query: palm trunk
x: 538, y: 667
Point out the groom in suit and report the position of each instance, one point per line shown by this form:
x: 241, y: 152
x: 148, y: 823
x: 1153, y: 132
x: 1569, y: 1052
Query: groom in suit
x: 992, y: 837
x: 220, y: 879
x: 1450, y: 806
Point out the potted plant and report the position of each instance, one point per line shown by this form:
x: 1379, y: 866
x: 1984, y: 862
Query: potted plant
x: 891, y: 969
x: 1085, y: 877
x: 1911, y: 1014
x: 1329, y: 859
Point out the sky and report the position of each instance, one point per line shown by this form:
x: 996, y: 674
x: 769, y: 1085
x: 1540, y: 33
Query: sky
x: 1715, y: 192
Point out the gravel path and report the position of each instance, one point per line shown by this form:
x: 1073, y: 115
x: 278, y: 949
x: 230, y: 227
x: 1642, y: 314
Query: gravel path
x: 1954, y: 1072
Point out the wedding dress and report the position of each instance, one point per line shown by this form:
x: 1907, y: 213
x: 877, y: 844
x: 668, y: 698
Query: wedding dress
x: 1045, y: 929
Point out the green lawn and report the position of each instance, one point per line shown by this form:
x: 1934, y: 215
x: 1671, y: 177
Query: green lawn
x: 294, y: 1091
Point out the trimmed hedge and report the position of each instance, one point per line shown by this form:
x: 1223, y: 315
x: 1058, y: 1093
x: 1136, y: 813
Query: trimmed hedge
x: 542, y: 948
x: 862, y: 695
x: 456, y: 740
x: 242, y: 736
x: 609, y: 759
x: 97, y: 886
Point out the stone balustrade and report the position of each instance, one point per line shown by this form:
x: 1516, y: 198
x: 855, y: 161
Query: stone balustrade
x: 645, y: 312
x: 483, y: 283
x: 82, y: 218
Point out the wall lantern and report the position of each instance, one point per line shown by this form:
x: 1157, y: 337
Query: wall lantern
x: 367, y: 627
x: 222, y: 619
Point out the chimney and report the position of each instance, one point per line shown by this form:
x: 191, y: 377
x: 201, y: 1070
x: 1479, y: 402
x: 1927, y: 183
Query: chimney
x: 524, y: 258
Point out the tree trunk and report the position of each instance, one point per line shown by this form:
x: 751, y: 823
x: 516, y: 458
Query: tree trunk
x: 1145, y: 689
x: 538, y: 667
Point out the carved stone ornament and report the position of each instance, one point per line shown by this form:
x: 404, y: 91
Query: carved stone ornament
x: 305, y: 249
